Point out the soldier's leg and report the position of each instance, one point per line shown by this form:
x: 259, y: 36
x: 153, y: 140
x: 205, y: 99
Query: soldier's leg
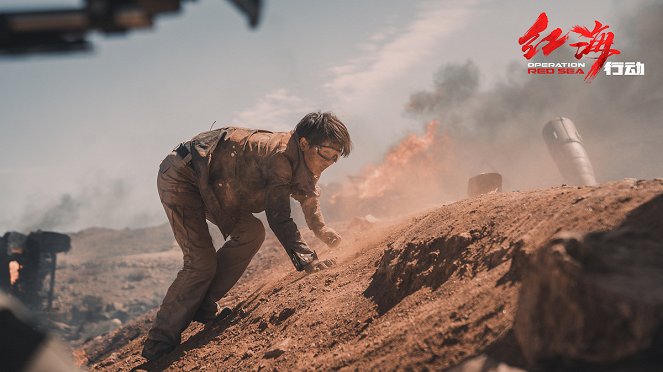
x: 184, y: 208
x: 236, y: 254
x: 186, y: 293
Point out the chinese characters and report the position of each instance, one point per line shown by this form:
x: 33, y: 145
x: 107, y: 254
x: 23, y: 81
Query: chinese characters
x: 553, y: 39
x: 597, y: 42
x: 624, y: 68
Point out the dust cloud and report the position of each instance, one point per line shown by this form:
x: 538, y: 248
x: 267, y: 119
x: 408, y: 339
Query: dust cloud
x: 105, y: 204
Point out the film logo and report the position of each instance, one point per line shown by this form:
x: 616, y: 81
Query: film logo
x: 596, y: 43
x: 556, y: 68
x: 624, y: 68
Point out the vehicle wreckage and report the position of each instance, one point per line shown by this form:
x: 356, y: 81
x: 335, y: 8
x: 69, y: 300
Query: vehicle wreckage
x: 27, y: 262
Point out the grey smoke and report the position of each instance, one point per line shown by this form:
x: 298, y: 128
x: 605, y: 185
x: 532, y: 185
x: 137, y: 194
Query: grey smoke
x: 111, y: 203
x: 499, y: 129
x: 454, y: 84
x: 62, y: 214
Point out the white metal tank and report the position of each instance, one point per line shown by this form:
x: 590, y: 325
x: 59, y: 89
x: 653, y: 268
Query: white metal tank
x: 568, y: 152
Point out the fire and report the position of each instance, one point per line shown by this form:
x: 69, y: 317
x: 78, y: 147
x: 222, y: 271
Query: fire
x: 412, y: 160
x: 14, y: 267
x: 413, y: 174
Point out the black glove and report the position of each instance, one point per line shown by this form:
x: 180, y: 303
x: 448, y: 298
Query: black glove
x: 316, y: 265
x: 329, y: 236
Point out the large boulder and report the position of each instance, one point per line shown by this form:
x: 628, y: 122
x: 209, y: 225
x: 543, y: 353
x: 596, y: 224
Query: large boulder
x: 593, y: 300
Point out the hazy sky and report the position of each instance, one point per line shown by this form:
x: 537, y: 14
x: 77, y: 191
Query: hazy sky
x: 86, y: 132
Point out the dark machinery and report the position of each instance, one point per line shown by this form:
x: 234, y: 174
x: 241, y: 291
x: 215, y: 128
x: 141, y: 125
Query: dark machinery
x: 27, y: 262
x: 65, y: 29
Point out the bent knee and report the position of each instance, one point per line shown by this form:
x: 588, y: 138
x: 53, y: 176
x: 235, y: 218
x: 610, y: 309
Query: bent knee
x: 254, y: 231
x: 259, y: 231
x: 203, y: 266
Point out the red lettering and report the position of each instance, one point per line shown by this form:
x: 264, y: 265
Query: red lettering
x: 553, y: 41
x: 600, y: 42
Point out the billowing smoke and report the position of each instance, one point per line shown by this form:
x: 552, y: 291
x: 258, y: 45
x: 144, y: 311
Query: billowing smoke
x: 499, y: 129
x: 106, y: 204
x: 64, y: 213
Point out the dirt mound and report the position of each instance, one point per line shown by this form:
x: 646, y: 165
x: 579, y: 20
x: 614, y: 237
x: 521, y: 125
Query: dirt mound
x: 406, y: 268
x: 428, y: 292
x: 113, y: 277
x: 101, y: 347
x: 594, y: 300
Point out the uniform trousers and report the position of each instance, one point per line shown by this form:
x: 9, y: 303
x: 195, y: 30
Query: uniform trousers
x: 207, y: 275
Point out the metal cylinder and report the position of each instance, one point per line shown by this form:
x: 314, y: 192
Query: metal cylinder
x: 567, y: 150
x: 484, y: 183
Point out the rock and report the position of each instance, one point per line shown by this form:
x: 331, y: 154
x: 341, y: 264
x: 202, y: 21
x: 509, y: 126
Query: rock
x: 279, y: 349
x: 274, y: 353
x: 596, y: 299
x: 121, y: 315
x: 283, y: 315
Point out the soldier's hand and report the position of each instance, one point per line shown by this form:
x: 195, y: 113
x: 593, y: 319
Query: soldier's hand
x: 317, y: 265
x: 329, y: 237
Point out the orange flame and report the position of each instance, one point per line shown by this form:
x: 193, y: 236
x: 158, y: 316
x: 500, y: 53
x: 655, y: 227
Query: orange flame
x: 13, y: 271
x: 413, y: 174
x: 411, y: 155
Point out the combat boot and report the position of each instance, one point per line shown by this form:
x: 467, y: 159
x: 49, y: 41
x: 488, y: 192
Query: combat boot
x: 153, y: 349
x: 206, y: 314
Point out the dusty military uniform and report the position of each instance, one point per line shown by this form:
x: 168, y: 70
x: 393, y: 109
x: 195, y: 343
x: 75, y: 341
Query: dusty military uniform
x: 225, y: 176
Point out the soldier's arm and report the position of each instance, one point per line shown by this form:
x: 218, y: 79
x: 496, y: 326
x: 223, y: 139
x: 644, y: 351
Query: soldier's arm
x: 277, y: 209
x: 312, y: 213
x: 316, y: 222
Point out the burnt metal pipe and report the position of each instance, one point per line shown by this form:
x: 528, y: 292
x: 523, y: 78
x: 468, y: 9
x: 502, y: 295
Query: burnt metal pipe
x: 567, y: 150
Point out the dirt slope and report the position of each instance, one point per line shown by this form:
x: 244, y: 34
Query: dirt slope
x: 425, y: 292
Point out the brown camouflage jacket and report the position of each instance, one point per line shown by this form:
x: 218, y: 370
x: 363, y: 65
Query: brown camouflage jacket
x: 243, y: 170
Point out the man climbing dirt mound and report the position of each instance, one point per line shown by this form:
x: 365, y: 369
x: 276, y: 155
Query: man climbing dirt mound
x: 226, y: 175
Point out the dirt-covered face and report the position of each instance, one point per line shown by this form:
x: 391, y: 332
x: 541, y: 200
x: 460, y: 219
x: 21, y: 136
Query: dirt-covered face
x: 319, y: 157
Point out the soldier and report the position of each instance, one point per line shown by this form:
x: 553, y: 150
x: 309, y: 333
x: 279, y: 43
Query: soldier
x: 225, y: 176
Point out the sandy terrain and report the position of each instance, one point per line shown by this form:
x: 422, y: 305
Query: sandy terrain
x: 426, y: 292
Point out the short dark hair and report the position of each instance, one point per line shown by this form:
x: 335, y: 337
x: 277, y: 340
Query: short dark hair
x: 318, y: 127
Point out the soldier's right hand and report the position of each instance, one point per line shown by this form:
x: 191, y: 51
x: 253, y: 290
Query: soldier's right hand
x: 329, y: 236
